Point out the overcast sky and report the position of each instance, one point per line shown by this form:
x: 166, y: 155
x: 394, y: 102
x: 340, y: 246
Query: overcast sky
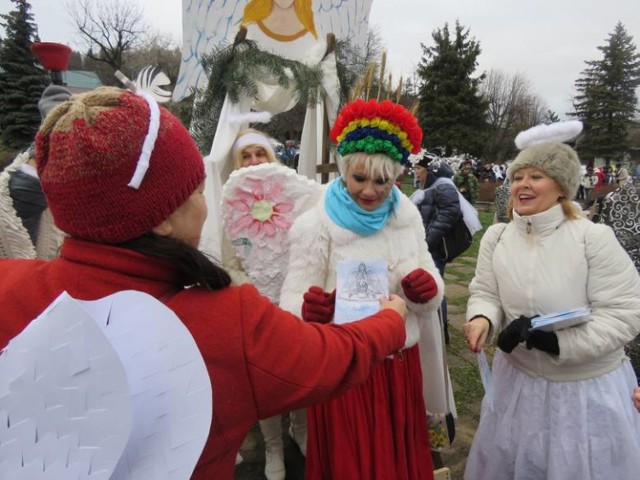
x: 547, y: 41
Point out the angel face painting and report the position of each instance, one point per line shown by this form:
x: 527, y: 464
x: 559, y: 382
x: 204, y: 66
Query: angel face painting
x: 284, y: 3
x: 282, y: 20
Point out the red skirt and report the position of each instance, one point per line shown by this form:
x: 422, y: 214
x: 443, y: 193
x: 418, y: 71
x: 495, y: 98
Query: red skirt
x: 375, y: 431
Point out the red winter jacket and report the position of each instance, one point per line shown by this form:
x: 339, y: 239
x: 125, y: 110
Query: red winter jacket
x: 261, y: 360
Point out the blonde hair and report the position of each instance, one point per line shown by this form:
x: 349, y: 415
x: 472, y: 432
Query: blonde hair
x: 257, y: 10
x: 376, y: 165
x: 237, y: 154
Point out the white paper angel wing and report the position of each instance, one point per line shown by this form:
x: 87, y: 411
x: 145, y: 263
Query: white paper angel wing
x: 111, y: 389
x: 171, y: 390
x: 65, y: 403
x: 206, y: 25
x: 347, y: 19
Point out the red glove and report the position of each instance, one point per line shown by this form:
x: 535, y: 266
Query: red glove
x: 419, y: 286
x: 318, y: 305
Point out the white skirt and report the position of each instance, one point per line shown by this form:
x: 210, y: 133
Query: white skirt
x: 537, y: 429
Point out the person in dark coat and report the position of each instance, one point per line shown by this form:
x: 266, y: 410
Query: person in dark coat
x: 467, y: 182
x: 439, y: 205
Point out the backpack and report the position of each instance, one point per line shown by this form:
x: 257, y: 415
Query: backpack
x: 456, y: 241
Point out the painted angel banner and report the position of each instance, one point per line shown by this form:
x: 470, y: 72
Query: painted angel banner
x: 287, y: 27
x: 294, y: 29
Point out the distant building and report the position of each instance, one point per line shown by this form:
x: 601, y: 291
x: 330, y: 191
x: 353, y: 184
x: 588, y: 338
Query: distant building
x: 80, y: 81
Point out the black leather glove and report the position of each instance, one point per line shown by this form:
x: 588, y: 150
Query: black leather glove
x: 517, y: 331
x: 545, y: 341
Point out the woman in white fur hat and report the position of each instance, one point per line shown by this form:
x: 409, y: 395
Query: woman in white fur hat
x: 560, y: 402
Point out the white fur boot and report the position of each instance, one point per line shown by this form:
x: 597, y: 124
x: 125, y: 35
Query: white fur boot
x: 298, y: 429
x: 271, y: 429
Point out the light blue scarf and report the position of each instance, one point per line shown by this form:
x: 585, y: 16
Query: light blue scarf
x: 345, y: 212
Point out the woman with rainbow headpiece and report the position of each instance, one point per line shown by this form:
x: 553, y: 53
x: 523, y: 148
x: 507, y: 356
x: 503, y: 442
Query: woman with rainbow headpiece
x: 377, y: 430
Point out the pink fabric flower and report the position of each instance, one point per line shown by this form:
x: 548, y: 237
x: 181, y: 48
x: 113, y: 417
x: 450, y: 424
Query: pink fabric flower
x: 260, y: 207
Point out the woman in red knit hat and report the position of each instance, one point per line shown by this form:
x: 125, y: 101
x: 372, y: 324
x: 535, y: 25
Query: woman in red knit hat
x: 123, y: 179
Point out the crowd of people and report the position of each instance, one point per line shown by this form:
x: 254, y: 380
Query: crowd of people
x: 123, y: 180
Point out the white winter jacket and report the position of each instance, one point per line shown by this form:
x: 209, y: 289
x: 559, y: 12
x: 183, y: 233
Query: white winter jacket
x: 317, y: 244
x: 547, y: 263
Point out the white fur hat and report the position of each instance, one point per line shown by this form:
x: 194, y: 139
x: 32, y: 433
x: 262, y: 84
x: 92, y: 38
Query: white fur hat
x: 543, y: 150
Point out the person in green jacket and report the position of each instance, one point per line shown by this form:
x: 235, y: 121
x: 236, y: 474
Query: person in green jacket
x: 467, y: 183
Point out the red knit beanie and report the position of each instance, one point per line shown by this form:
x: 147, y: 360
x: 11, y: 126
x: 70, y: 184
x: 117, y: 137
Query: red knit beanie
x: 87, y: 151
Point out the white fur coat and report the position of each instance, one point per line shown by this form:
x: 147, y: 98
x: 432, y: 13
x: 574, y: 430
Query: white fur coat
x: 317, y: 244
x: 14, y: 238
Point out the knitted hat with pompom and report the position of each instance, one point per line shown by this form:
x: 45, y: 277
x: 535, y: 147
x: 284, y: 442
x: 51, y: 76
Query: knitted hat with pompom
x: 87, y: 151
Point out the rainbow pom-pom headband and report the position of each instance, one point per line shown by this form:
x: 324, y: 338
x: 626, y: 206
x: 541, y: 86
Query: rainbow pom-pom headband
x: 377, y: 127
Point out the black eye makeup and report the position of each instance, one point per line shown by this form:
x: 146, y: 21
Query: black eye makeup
x: 381, y: 181
x: 359, y: 177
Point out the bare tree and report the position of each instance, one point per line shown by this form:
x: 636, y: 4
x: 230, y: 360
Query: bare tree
x: 75, y: 61
x: 156, y: 50
x: 109, y: 28
x: 161, y: 52
x: 373, y: 47
x: 512, y: 108
x: 353, y: 62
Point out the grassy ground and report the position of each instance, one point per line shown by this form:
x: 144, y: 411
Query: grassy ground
x: 467, y: 386
x: 463, y: 366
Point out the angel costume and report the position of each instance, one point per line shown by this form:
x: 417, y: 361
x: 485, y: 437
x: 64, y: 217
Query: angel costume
x: 376, y: 431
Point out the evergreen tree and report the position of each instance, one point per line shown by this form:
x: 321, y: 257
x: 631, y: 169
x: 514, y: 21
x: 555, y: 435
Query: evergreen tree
x: 21, y: 79
x: 451, y: 110
x: 606, y: 101
x: 551, y: 117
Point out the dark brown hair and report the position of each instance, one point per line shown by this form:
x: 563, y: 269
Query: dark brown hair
x: 194, y: 267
